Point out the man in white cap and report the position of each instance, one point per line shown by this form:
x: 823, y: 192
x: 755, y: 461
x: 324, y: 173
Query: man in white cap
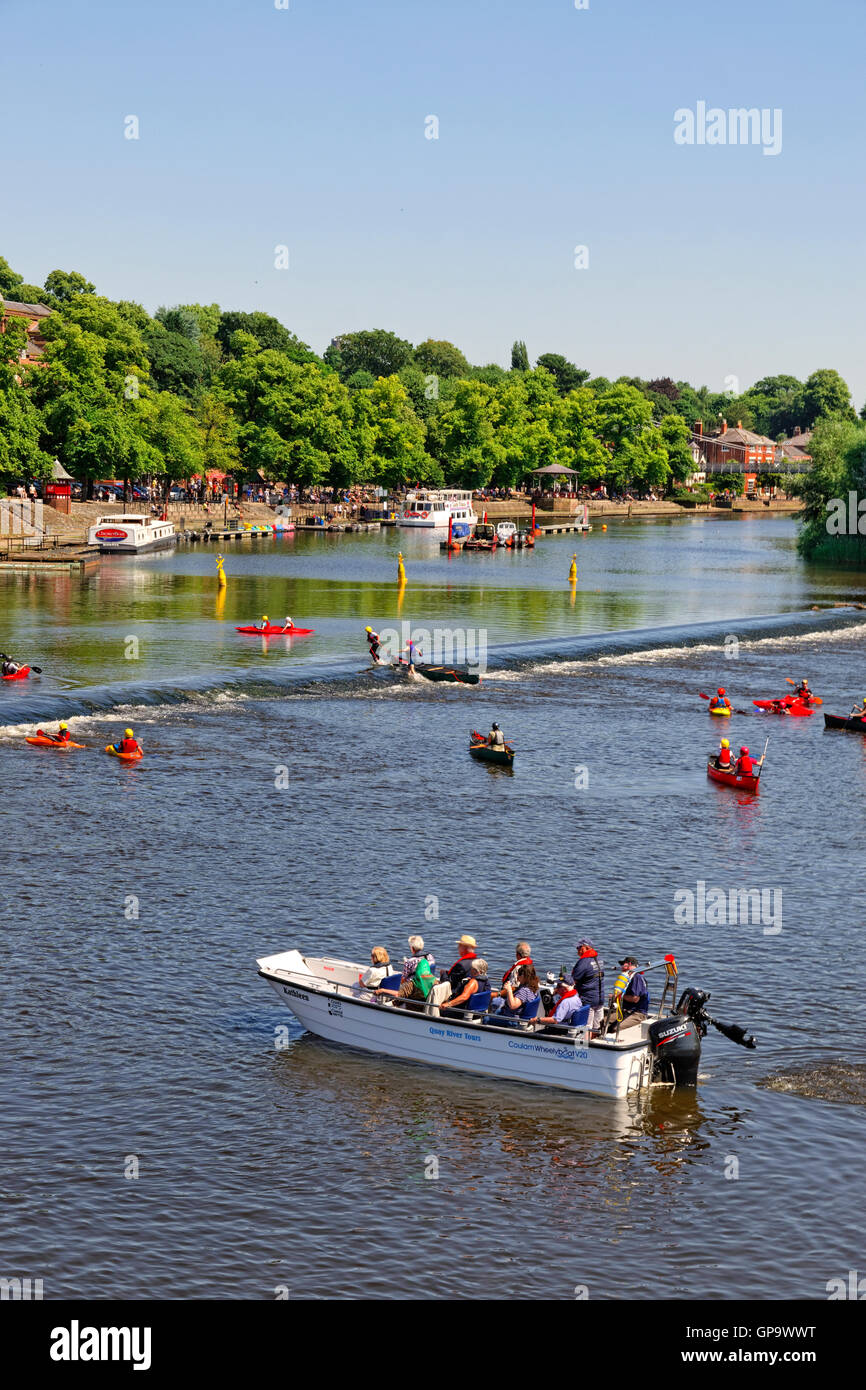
x: 462, y: 968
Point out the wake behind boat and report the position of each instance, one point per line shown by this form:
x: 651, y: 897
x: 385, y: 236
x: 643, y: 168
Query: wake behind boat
x: 324, y: 994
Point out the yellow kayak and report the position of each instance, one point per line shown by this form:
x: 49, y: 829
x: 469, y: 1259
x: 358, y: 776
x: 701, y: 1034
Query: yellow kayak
x: 720, y: 709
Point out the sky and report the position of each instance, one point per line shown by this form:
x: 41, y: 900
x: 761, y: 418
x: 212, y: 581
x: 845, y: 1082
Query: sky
x: 308, y: 127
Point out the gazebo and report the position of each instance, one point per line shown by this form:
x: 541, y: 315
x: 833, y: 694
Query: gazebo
x: 555, y: 472
x: 58, y: 493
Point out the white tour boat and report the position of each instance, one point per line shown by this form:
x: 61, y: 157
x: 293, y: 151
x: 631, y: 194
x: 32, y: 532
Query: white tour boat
x: 131, y: 535
x: 326, y: 997
x: 434, y: 508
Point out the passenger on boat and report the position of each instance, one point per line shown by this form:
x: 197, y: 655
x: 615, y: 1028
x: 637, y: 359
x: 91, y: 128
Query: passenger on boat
x: 631, y: 988
x: 462, y: 967
x: 10, y: 667
x: 264, y: 624
x: 416, y: 977
x: 127, y: 744
x: 515, y: 1002
x: 376, y: 972
x: 522, y: 954
x: 566, y: 1003
x: 477, y: 983
x: 62, y: 735
x: 721, y: 699
x: 746, y: 765
x: 588, y: 978
x: 857, y: 712
x: 496, y: 738
x: 723, y: 757
x: 288, y: 624
x: 373, y: 639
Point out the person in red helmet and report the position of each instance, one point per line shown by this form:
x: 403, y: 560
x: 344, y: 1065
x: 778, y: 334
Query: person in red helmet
x: 721, y: 699
x: 746, y: 765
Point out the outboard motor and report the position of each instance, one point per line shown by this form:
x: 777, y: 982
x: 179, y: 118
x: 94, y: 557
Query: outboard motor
x: 675, y: 1042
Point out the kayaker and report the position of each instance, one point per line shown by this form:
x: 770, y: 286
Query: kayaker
x: 10, y: 667
x: 477, y: 983
x: 566, y: 1003
x: 288, y: 625
x: 127, y: 744
x: 721, y: 699
x: 373, y: 639
x: 496, y: 738
x: 723, y: 757
x: 264, y: 624
x: 413, y: 651
x: 859, y: 711
x: 62, y: 736
x: 631, y: 989
x: 802, y: 691
x: 588, y: 979
x: 746, y: 765
x: 462, y: 967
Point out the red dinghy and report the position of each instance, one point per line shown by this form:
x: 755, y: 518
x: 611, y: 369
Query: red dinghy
x: 19, y: 675
x: 730, y: 779
x: 271, y: 631
x: 797, y: 708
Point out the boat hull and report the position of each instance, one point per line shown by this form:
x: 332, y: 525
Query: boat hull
x: 839, y: 721
x: 730, y: 779
x: 331, y: 1011
x: 19, y: 675
x: 275, y: 631
x: 797, y: 708
x: 482, y: 751
x: 446, y: 673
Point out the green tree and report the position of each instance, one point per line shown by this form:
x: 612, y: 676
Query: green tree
x: 21, y: 457
x: 176, y: 362
x: 181, y: 321
x: 374, y: 350
x: 568, y: 376
x: 519, y: 356
x: 440, y: 358
x: 64, y: 285
x: 463, y: 436
x: 9, y: 280
x: 829, y: 531
x: 219, y: 435
x: 390, y: 438
x: 173, y: 435
x: 825, y: 394
x: 268, y: 332
x: 676, y: 436
x: 577, y: 429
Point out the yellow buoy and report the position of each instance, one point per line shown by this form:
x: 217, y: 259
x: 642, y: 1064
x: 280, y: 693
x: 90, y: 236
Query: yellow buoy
x: 401, y: 571
x: 572, y: 573
x: 604, y: 526
x: 221, y: 574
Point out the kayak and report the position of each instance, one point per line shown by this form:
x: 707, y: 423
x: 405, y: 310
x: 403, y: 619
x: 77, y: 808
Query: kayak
x: 19, y: 675
x: 42, y: 741
x: 795, y: 708
x: 838, y: 721
x: 124, y: 757
x: 445, y: 673
x: 271, y: 631
x: 481, y: 750
x: 730, y: 779
x: 720, y: 709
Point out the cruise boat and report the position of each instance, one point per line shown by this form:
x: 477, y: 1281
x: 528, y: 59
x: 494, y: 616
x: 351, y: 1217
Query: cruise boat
x: 131, y: 535
x: 434, y: 508
x: 325, y: 995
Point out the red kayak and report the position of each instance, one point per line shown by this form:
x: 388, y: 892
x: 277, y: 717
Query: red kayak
x: 784, y: 706
x: 19, y: 675
x: 271, y: 631
x: 730, y: 779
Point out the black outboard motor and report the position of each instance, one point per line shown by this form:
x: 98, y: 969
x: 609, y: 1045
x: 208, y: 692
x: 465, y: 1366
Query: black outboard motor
x: 675, y: 1042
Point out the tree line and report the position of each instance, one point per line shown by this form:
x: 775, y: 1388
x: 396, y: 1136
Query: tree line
x: 193, y: 388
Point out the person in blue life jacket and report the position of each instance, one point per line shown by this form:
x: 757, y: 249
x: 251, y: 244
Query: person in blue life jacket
x: 634, y: 997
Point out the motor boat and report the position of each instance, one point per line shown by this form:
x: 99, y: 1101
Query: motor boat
x: 131, y: 535
x: 436, y: 508
x: 325, y: 995
x: 506, y: 533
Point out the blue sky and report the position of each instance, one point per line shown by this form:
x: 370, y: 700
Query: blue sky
x: 305, y: 127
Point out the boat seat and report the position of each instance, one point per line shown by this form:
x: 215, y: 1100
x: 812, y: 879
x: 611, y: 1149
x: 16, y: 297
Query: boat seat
x: 390, y: 982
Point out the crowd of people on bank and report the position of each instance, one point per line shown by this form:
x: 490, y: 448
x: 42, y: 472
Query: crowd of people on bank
x: 575, y: 999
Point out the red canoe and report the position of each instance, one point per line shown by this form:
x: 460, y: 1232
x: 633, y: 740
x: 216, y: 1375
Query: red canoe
x: 730, y: 779
x: 271, y: 631
x: 796, y: 707
x: 19, y: 675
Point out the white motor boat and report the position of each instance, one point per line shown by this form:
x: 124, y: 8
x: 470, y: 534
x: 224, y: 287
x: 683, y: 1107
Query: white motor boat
x: 506, y: 532
x: 131, y: 535
x: 434, y: 509
x: 325, y: 995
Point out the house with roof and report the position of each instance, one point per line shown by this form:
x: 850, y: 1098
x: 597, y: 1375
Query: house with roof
x: 33, y: 316
x: 733, y: 449
x: 793, y: 454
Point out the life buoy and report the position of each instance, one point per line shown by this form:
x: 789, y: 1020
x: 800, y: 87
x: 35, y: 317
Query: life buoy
x: 424, y: 515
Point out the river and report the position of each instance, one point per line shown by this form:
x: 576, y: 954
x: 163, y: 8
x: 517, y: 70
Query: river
x: 159, y: 1140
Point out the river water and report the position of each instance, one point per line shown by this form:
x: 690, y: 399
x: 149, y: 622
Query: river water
x: 157, y: 1139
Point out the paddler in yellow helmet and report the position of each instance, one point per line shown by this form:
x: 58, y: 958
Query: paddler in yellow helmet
x: 127, y: 744
x: 62, y: 735
x: 373, y: 639
x: 723, y: 757
x: 264, y: 624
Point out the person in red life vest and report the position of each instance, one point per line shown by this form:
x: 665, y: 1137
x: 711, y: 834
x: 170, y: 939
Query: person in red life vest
x: 588, y: 979
x: 127, y: 744
x: 723, y: 757
x: 523, y: 957
x: 803, y: 692
x: 462, y: 967
x: 62, y: 735
x: 721, y: 699
x: 746, y: 765
x: 566, y: 1003
x: 374, y: 641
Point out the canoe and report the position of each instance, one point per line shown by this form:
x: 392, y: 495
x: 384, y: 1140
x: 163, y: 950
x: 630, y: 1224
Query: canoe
x: 796, y: 708
x: 720, y: 709
x: 455, y: 674
x: 839, y: 721
x: 124, y: 757
x: 42, y: 742
x: 730, y: 779
x: 271, y: 631
x: 19, y: 675
x: 480, y: 749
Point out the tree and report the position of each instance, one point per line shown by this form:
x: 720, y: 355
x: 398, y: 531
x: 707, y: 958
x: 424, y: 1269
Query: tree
x: 838, y: 449
x: 9, y: 280
x: 172, y: 434
x: 664, y: 386
x: 463, y: 435
x: 21, y: 457
x: 219, y: 435
x: 64, y: 285
x: 374, y: 350
x: 268, y: 332
x: 176, y: 362
x: 568, y: 377
x: 440, y: 358
x: 181, y: 321
x: 727, y: 482
x: 676, y: 436
x: 825, y: 394
x: 390, y: 438
x: 519, y: 356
